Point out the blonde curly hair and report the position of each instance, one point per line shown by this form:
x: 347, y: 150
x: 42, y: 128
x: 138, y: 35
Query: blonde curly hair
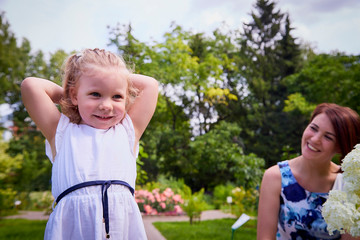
x: 77, y: 64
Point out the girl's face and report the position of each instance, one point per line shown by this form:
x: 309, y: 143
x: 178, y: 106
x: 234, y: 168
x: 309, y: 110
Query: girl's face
x: 100, y: 95
x: 319, y: 141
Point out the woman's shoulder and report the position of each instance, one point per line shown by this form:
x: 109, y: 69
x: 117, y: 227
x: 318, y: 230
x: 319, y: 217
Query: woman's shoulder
x: 272, y: 173
x: 271, y: 180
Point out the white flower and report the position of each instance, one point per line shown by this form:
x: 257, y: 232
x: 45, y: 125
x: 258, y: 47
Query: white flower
x: 340, y: 211
x: 355, y: 229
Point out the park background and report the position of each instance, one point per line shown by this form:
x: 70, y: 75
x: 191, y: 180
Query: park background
x: 233, y: 101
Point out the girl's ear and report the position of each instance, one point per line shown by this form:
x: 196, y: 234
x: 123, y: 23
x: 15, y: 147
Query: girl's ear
x: 73, y: 96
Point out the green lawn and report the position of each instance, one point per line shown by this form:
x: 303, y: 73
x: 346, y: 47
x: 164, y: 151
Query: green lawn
x: 219, y: 229
x: 20, y: 229
x: 16, y: 229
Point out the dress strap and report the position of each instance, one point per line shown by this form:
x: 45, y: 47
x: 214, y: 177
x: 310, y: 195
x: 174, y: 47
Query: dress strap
x: 104, y: 187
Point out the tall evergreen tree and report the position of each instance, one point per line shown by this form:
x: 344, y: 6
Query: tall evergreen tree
x: 272, y: 54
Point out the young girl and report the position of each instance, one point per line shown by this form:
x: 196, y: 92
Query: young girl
x: 93, y: 144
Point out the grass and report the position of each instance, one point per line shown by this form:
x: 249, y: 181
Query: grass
x: 219, y: 229
x: 16, y: 229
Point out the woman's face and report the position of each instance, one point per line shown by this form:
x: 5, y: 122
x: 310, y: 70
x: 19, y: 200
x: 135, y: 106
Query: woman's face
x: 319, y: 141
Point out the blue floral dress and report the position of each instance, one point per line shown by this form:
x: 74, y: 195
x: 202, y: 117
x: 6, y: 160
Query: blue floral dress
x: 300, y: 210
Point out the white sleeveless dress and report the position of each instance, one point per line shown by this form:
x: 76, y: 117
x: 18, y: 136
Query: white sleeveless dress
x: 84, y: 153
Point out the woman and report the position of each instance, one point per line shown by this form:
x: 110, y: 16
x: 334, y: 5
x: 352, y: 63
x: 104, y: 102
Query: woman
x: 293, y: 191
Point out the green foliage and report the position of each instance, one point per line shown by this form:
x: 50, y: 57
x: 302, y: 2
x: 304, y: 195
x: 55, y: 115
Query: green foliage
x: 16, y: 63
x: 193, y: 204
x: 7, y: 199
x: 242, y: 200
x: 141, y: 174
x: 163, y: 183
x: 216, y: 158
x: 8, y: 165
x: 166, y: 138
x: 218, y: 229
x: 41, y: 201
x: 329, y: 78
x: 13, y: 62
x: 297, y: 102
x: 245, y: 201
x: 270, y: 54
x: 220, y: 193
x: 8, y: 169
x: 35, y: 173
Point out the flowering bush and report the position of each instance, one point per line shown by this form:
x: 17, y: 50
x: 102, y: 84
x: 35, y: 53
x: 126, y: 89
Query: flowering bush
x: 244, y: 200
x: 155, y: 202
x: 341, y: 210
x: 41, y: 201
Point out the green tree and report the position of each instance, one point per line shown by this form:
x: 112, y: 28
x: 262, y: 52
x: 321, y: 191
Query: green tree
x: 329, y: 78
x: 13, y: 61
x: 8, y: 169
x: 216, y: 158
x: 271, y: 54
x: 16, y: 63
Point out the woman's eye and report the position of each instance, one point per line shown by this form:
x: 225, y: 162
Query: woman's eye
x: 313, y: 128
x: 329, y: 138
x: 95, y: 94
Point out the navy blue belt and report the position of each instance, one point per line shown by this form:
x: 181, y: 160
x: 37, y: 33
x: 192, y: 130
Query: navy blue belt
x: 104, y: 187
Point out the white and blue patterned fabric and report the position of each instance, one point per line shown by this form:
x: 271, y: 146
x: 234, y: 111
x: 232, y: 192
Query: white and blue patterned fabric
x: 300, y: 210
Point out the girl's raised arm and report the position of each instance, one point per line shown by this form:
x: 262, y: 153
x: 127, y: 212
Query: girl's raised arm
x: 144, y: 106
x: 39, y: 96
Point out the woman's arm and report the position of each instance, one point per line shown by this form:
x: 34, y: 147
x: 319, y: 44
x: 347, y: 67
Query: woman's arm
x: 269, y: 204
x: 144, y: 106
x: 39, y: 96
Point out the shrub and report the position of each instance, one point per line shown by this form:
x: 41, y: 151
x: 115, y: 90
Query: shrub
x: 7, y: 199
x: 41, y: 200
x: 221, y: 192
x: 244, y: 201
x: 156, y: 202
x: 194, y: 204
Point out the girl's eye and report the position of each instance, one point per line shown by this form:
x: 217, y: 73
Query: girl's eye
x: 95, y: 94
x: 117, y: 96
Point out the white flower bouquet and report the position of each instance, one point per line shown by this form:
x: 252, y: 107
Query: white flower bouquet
x: 342, y: 209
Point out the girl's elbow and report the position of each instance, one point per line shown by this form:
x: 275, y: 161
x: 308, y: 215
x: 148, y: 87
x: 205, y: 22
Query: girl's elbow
x: 27, y: 83
x: 154, y: 83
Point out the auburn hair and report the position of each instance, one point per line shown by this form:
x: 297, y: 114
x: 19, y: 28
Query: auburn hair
x: 346, y: 124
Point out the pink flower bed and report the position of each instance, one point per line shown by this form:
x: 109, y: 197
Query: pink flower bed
x: 157, y: 203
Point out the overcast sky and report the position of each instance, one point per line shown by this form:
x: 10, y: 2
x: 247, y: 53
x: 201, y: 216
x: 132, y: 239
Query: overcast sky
x: 76, y: 24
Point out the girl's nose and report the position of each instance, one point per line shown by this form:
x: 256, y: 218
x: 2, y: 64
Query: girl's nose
x: 105, y: 105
